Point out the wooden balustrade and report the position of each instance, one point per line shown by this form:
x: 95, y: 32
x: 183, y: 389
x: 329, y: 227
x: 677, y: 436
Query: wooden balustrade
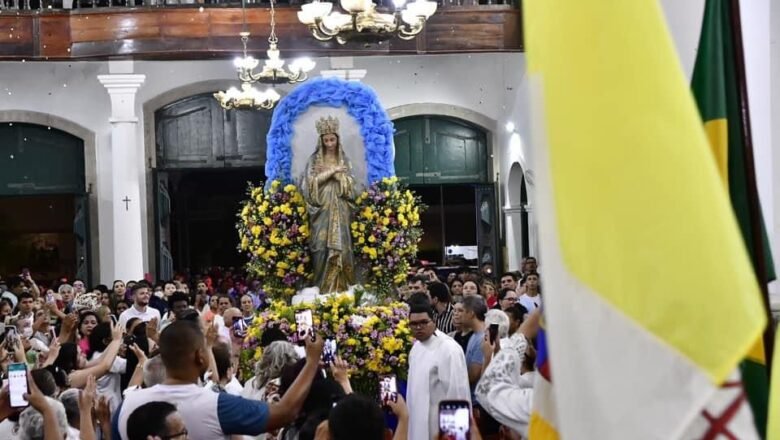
x: 208, y: 32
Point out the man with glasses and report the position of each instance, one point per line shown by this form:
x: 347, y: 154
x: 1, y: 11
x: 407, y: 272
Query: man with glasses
x: 78, y: 287
x: 437, y: 371
x: 506, y: 298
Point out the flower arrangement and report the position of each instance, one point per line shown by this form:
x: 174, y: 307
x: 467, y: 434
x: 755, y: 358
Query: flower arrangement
x: 385, y: 233
x: 273, y: 228
x: 374, y: 340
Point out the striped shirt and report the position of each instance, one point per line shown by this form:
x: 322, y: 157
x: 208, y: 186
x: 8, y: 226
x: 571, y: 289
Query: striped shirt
x: 444, y: 319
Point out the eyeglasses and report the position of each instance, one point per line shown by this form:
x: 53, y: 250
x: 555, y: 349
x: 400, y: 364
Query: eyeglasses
x: 510, y: 299
x: 419, y: 324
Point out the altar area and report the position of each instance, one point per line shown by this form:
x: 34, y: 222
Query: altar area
x: 332, y: 230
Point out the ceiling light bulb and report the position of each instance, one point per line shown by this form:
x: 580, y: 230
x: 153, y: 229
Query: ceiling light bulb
x: 510, y: 127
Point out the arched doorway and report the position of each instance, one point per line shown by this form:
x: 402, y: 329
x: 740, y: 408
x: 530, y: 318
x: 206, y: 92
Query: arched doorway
x: 205, y: 155
x: 44, y: 214
x: 445, y: 160
x: 518, y: 235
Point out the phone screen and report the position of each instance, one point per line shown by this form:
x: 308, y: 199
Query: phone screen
x: 493, y: 329
x: 303, y: 323
x: 10, y: 335
x: 113, y: 318
x: 17, y: 384
x: 387, y: 389
x: 454, y: 420
x: 329, y: 351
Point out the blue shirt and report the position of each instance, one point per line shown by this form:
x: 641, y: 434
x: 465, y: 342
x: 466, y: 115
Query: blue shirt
x: 474, y: 354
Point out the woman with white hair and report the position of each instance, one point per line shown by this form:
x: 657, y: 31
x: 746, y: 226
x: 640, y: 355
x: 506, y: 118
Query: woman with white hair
x: 44, y: 421
x: 265, y: 384
x: 495, y: 316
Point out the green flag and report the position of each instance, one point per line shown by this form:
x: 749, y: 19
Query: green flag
x: 715, y: 88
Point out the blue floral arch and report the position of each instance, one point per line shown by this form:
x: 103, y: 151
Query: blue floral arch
x: 361, y: 103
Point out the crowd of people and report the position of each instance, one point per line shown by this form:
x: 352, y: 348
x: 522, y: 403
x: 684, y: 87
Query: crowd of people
x: 160, y: 361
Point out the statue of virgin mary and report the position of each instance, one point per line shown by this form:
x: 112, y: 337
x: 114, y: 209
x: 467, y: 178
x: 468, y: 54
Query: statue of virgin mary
x: 328, y: 186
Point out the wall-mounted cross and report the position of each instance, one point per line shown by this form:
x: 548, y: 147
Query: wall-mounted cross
x: 127, y: 203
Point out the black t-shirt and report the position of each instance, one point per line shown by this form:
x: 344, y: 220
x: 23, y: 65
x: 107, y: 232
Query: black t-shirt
x: 462, y: 339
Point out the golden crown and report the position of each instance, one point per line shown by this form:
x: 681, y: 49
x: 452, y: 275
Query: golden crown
x: 327, y: 125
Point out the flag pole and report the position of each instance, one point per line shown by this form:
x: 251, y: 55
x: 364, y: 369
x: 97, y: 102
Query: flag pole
x: 754, y: 205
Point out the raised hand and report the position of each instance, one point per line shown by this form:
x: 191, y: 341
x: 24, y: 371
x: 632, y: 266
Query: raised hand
x: 138, y: 354
x: 116, y: 331
x: 69, y: 323
x: 88, y: 395
x: 35, y: 396
x: 103, y: 411
x: 211, y: 335
x: 152, y: 331
x: 339, y: 369
x: 314, y: 347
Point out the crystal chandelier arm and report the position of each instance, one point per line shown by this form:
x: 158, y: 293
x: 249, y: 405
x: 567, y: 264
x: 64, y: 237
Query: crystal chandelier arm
x: 324, y: 30
x: 407, y: 31
x: 319, y: 35
x: 247, y: 76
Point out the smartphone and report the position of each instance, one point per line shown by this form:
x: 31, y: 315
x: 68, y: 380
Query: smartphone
x: 52, y: 334
x: 329, y: 351
x: 113, y: 318
x: 454, y: 420
x: 493, y: 332
x: 17, y: 384
x: 388, y: 390
x: 303, y: 323
x: 10, y: 336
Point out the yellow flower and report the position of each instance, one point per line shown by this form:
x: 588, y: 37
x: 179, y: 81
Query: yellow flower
x: 267, y: 221
x: 289, y: 188
x: 371, y: 239
x: 352, y: 342
x: 282, y: 265
x: 301, y: 210
x: 275, y: 184
x: 263, y: 207
x: 300, y: 269
x: 244, y: 243
x: 385, y: 221
x: 354, y: 225
x: 255, y: 230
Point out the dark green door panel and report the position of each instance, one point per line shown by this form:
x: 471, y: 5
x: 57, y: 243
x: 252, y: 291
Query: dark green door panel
x: 35, y: 159
x: 436, y: 150
x: 409, y: 150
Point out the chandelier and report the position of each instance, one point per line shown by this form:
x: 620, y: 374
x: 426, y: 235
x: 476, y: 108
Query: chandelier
x: 248, y: 97
x: 363, y: 23
x: 273, y: 73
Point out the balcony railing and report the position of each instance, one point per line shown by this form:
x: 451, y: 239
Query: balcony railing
x: 40, y: 5
x: 98, y: 30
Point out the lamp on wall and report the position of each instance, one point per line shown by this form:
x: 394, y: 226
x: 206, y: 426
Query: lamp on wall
x: 273, y: 73
x: 363, y: 23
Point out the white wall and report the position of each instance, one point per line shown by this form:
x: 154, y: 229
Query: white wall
x: 484, y: 83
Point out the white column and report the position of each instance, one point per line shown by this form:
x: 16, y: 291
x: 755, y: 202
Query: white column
x: 125, y: 175
x: 513, y: 223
